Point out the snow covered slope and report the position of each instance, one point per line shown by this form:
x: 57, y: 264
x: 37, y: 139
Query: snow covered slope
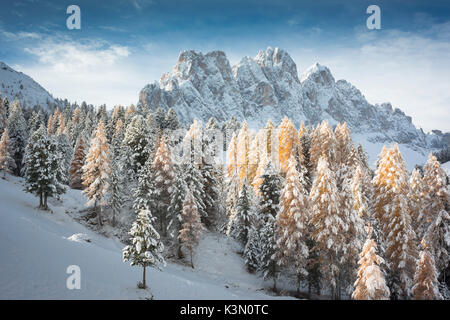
x: 446, y: 167
x: 268, y: 87
x: 36, y: 247
x: 15, y: 84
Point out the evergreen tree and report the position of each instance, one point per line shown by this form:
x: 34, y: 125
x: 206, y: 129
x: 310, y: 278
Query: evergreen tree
x: 7, y: 163
x: 97, y: 171
x: 36, y: 120
x: 43, y: 171
x: 66, y: 151
x: 330, y: 227
x: 76, y: 166
x: 370, y: 283
x: 116, y: 194
x: 292, y: 223
x: 269, y: 206
x: 210, y: 173
x: 270, y: 192
x: 240, y: 227
x: 130, y: 112
x: 144, y: 192
x: 146, y: 248
x: 191, y: 225
x: 191, y: 166
x: 256, y: 152
x: 305, y: 146
x: 437, y: 238
x: 253, y: 251
x: 268, y: 248
x: 17, y: 130
x: 175, y: 209
x: 78, y: 120
x: 159, y: 118
x: 233, y: 179
x: 137, y: 140
x: 171, y: 120
x: 3, y: 116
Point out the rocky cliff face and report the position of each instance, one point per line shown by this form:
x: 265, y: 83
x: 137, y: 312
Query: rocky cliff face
x: 268, y: 87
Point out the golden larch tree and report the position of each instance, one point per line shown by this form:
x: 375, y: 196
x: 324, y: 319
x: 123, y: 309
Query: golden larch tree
x: 370, y: 283
x: 243, y: 149
x: 292, y: 223
x: 426, y: 285
x: 96, y: 170
x: 288, y: 142
x: 391, y: 188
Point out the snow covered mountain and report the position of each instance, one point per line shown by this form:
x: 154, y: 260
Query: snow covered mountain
x: 15, y: 84
x: 268, y: 86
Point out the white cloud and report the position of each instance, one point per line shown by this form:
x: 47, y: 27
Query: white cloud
x: 14, y: 36
x: 94, y: 71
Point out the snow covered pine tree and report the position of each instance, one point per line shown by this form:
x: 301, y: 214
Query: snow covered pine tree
x: 7, y: 163
x: 146, y: 248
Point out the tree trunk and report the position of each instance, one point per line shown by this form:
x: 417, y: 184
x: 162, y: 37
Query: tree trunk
x: 192, y: 264
x: 275, y: 284
x: 298, y: 285
x: 143, y: 280
x: 179, y: 251
x: 45, y: 201
x: 99, y: 215
x: 41, y: 204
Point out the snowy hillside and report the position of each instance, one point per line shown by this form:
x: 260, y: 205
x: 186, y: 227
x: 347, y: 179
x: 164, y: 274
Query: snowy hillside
x: 37, y: 247
x: 268, y: 87
x: 15, y: 84
x: 446, y: 167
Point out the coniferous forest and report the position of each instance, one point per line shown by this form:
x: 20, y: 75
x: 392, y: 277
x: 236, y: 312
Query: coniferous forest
x: 303, y: 203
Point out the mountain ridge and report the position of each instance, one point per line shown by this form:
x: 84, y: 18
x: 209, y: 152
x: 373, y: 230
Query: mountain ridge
x: 268, y: 86
x: 18, y: 85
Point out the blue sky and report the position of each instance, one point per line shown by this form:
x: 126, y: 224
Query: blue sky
x: 125, y: 44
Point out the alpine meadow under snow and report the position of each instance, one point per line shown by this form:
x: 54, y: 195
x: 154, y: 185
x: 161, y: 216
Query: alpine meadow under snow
x: 244, y: 182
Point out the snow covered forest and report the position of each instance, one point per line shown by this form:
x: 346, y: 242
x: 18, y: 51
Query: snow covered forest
x: 303, y: 203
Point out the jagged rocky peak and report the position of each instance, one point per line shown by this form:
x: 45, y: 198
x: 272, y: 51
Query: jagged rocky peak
x: 318, y: 74
x: 268, y: 87
x: 194, y: 64
x: 277, y: 62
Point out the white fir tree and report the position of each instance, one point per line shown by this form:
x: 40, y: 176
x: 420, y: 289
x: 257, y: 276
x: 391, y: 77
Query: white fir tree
x: 43, y: 171
x: 7, y: 163
x: 240, y: 227
x: 146, y: 248
x: 329, y: 225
